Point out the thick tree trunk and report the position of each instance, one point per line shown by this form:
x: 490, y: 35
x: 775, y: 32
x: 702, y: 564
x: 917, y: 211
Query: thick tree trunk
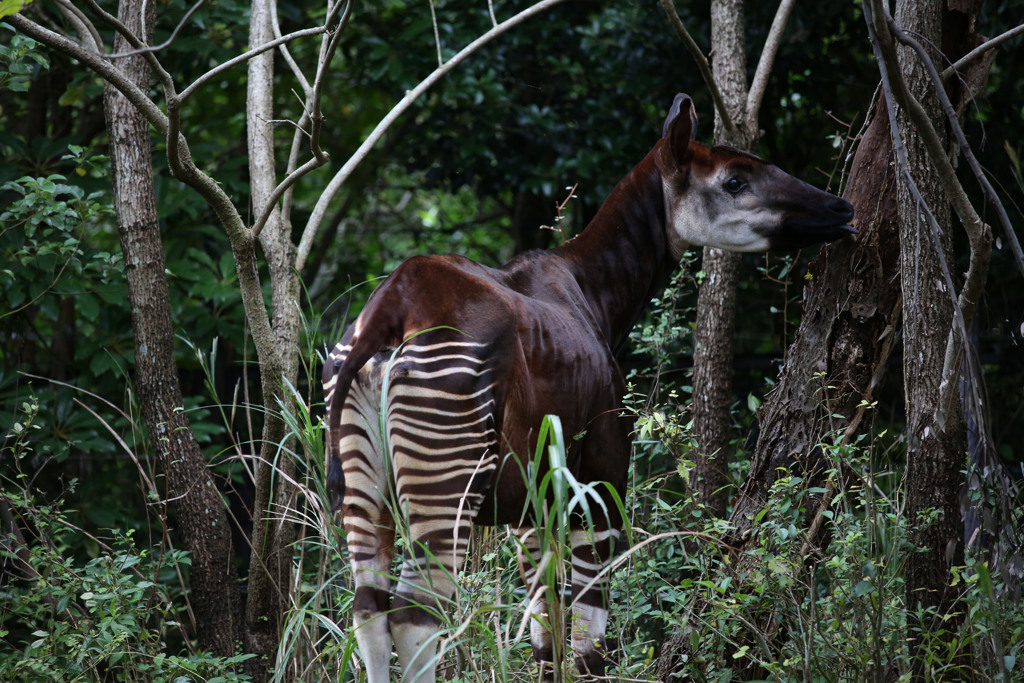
x: 835, y: 363
x: 270, y: 573
x: 195, y: 502
x: 844, y: 339
x: 935, y: 453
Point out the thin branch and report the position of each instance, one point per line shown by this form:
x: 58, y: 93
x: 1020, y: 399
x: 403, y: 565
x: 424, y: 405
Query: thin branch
x: 965, y: 148
x: 82, y: 24
x: 286, y: 53
x: 246, y: 56
x: 164, y: 45
x: 327, y: 51
x: 138, y: 44
x: 293, y: 163
x: 897, y: 94
x: 764, y: 66
x: 313, y: 114
x: 975, y: 227
x: 400, y: 108
x: 702, y: 63
x: 282, y: 187
x: 437, y: 34
x: 980, y: 50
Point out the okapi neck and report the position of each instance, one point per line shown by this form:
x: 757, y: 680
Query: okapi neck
x: 622, y: 260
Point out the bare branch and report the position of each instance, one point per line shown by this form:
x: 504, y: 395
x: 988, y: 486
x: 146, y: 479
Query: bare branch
x: 312, y: 114
x: 764, y: 66
x: 437, y: 34
x: 980, y: 50
x: 246, y: 56
x: 702, y: 63
x: 138, y: 44
x: 85, y: 28
x: 293, y: 162
x: 285, y: 184
x: 286, y: 53
x: 897, y: 94
x: 164, y: 45
x: 327, y: 51
x: 400, y: 108
x: 965, y: 147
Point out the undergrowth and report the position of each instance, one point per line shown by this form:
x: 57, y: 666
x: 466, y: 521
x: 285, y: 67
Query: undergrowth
x: 788, y: 608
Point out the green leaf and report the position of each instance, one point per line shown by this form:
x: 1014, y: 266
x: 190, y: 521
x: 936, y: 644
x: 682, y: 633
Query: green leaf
x: 9, y: 7
x: 88, y: 306
x: 984, y: 577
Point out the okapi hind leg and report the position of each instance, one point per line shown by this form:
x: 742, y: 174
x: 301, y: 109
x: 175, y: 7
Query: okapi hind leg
x: 441, y: 429
x: 592, y: 551
x: 369, y: 528
x: 425, y: 587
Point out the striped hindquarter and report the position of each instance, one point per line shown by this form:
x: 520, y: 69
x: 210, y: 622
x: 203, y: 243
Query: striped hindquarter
x: 438, y: 425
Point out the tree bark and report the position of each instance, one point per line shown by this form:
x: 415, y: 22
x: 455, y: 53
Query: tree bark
x: 195, y: 502
x: 270, y: 573
x: 935, y: 453
x: 837, y: 357
x: 712, y: 379
x: 716, y: 300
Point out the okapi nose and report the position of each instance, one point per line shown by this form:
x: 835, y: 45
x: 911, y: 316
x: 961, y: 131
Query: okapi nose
x: 842, y: 207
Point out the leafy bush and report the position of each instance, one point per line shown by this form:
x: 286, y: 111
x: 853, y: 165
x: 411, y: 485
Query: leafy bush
x: 115, y: 617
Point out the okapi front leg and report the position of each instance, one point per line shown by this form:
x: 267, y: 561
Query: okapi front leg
x: 592, y: 550
x: 530, y: 554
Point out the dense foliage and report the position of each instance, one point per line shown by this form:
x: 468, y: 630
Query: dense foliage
x: 573, y: 97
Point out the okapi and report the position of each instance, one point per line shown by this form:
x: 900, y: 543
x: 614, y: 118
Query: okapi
x: 472, y: 358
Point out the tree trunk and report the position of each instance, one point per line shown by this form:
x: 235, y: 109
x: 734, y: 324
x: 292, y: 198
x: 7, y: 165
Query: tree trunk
x: 935, y: 454
x: 716, y: 300
x: 712, y: 379
x: 195, y: 501
x: 843, y: 341
x: 836, y: 360
x: 270, y: 573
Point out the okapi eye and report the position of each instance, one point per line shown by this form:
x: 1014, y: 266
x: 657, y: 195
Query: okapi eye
x: 735, y: 185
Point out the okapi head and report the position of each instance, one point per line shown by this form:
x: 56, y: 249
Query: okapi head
x: 726, y: 198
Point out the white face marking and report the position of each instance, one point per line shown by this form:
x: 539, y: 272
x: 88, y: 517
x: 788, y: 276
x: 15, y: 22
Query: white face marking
x: 707, y: 215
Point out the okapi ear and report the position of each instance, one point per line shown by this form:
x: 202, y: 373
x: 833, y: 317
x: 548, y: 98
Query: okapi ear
x: 679, y: 130
x: 673, y: 112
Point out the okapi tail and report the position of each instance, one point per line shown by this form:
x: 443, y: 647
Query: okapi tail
x: 376, y: 326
